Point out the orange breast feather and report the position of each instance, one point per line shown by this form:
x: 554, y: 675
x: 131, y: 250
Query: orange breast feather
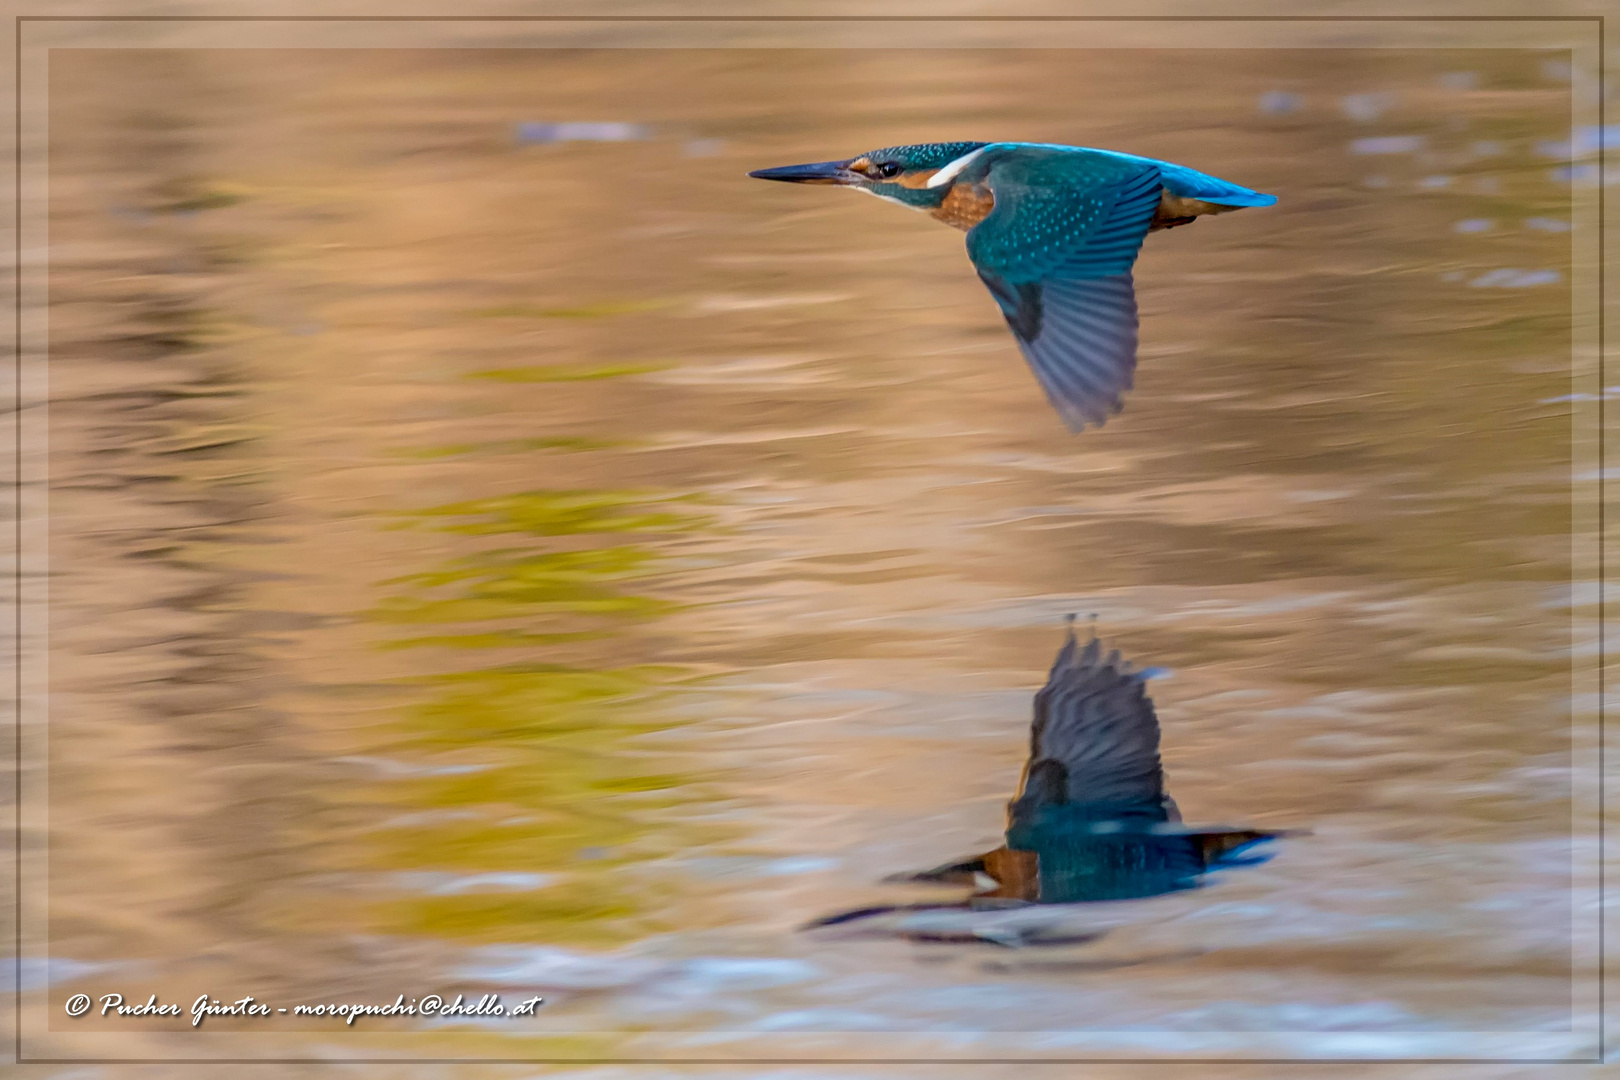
x: 965, y: 205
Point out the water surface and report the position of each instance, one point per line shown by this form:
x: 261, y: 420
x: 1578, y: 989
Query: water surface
x: 527, y: 559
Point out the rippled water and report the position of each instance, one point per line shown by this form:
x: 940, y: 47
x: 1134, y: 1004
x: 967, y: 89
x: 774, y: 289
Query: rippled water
x: 538, y: 560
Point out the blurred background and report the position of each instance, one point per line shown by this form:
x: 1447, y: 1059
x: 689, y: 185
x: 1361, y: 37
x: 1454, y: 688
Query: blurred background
x: 497, y: 547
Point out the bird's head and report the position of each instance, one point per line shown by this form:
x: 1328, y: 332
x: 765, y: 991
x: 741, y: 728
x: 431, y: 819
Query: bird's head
x: 900, y: 173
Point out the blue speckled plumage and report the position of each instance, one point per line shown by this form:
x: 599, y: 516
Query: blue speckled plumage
x: 1053, y: 232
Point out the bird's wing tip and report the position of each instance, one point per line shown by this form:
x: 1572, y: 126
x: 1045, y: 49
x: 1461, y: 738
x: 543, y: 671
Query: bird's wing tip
x: 1092, y: 416
x: 1079, y: 425
x: 1072, y: 618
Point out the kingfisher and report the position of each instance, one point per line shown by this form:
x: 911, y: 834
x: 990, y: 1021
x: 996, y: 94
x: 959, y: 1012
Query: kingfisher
x: 1053, y: 232
x: 1091, y: 830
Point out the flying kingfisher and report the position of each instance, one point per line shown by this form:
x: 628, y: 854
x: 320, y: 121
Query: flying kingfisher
x: 1053, y: 231
x: 1091, y: 833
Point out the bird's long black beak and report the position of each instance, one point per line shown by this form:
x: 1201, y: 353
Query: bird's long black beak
x: 819, y: 172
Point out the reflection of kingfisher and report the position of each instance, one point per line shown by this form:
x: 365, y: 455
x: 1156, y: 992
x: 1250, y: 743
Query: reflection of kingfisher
x: 1091, y: 821
x: 1053, y: 231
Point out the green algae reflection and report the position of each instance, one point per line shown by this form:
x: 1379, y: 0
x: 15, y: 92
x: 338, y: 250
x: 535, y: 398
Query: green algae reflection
x: 545, y: 778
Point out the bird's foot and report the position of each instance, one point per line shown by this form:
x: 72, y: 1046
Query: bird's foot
x: 1170, y: 223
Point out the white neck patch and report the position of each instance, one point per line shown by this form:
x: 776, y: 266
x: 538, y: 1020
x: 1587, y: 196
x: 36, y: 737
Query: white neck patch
x: 950, y: 171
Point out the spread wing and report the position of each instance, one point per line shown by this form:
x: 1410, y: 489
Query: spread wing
x: 1079, y: 337
x: 1095, y: 740
x: 1056, y: 253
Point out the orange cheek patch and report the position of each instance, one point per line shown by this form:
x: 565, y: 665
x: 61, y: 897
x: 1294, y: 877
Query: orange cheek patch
x: 859, y: 165
x: 914, y: 180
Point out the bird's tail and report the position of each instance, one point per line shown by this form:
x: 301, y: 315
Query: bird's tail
x: 1236, y: 847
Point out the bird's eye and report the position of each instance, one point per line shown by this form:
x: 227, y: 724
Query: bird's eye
x: 888, y: 169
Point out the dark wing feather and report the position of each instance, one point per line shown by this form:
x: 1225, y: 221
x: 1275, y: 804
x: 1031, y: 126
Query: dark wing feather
x: 1095, y: 739
x: 1079, y: 337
